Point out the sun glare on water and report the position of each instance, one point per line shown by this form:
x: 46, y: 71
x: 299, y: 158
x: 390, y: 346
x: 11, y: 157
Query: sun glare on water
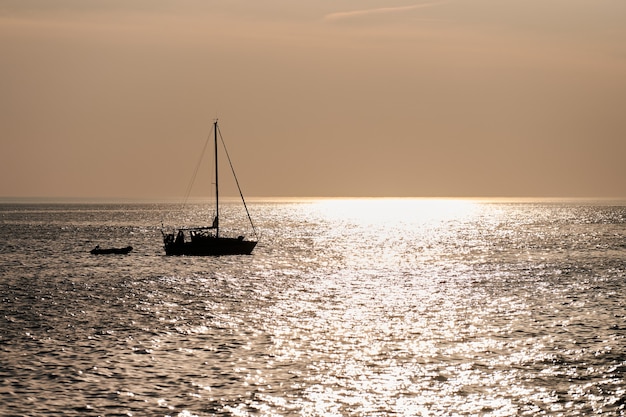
x: 390, y: 211
x: 386, y: 233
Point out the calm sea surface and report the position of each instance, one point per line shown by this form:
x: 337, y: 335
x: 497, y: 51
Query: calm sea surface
x: 345, y: 308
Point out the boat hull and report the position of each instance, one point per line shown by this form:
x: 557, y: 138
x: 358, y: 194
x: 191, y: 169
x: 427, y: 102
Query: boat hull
x: 111, y: 251
x: 210, y: 246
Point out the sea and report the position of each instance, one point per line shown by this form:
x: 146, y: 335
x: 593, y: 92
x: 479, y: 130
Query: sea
x: 347, y: 307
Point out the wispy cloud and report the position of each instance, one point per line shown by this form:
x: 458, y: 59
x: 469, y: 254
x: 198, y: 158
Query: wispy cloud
x: 377, y: 11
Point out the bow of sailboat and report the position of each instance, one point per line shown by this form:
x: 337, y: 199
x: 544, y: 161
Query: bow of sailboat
x: 232, y: 168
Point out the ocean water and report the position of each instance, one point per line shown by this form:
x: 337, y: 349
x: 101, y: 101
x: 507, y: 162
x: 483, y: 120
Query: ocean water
x: 345, y: 308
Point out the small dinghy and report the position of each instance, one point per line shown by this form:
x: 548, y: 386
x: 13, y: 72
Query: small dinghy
x: 111, y: 251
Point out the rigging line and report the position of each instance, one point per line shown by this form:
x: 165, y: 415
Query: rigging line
x: 195, y: 172
x: 237, y: 182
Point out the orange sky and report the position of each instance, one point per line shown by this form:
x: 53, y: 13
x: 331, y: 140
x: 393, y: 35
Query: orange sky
x: 456, y: 98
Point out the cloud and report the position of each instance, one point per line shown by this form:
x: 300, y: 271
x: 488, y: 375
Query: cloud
x: 377, y: 11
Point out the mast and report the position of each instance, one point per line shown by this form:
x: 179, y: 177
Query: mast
x: 217, y: 190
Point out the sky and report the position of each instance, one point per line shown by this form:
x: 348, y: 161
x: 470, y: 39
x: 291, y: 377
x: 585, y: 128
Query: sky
x: 341, y: 98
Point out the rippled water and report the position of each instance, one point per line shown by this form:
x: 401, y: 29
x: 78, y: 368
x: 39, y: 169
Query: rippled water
x: 345, y: 308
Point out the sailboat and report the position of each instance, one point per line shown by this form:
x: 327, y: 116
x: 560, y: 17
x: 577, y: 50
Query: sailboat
x: 207, y: 240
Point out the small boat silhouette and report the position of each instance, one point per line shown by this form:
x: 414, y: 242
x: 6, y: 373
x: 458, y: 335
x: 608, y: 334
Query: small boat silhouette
x: 109, y: 251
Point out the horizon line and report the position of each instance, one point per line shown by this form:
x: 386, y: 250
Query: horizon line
x: 91, y: 199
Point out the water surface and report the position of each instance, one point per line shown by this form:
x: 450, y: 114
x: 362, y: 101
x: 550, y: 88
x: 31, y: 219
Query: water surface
x: 346, y: 308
